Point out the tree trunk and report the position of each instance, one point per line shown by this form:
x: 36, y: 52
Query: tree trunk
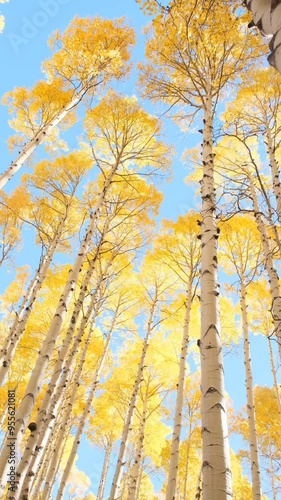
x: 174, y: 460
x: 275, y: 172
x: 26, y: 406
x: 83, y: 419
x: 273, y: 371
x: 273, y: 277
x: 39, y: 137
x: 52, y: 399
x: 104, y: 472
x: 135, y: 469
x: 115, y: 488
x: 216, y: 481
x: 254, y: 455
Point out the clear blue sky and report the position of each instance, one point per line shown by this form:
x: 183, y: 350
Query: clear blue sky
x: 23, y: 47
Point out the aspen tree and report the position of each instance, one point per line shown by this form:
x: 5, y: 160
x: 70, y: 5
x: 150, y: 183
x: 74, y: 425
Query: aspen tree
x: 84, y: 416
x: 156, y: 284
x: 260, y: 303
x: 135, y: 206
x: 196, y: 50
x: 104, y: 471
x: 179, y: 249
x: 256, y: 111
x: 58, y: 200
x: 241, y: 247
x: 90, y: 53
x: 135, y: 144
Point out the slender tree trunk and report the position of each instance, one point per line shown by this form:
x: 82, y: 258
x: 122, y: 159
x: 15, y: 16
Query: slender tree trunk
x: 83, y: 419
x: 216, y: 481
x: 254, y: 455
x: 52, y: 399
x: 174, y: 460
x: 139, y: 480
x: 19, y: 324
x: 104, y: 472
x: 186, y: 464
x: 115, y: 488
x: 53, y: 391
x: 272, y: 477
x: 273, y: 371
x: 275, y: 171
x: 26, y: 406
x: 273, y: 277
x: 135, y: 469
x: 40, y: 136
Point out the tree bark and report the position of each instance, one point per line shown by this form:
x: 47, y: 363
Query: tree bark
x: 104, y: 472
x: 135, y: 469
x: 174, y: 460
x: 39, y: 137
x: 254, y: 455
x: 273, y: 371
x: 275, y: 171
x: 216, y: 472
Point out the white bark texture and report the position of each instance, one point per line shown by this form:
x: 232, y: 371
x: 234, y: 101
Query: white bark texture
x: 53, y: 395
x: 267, y: 17
x: 135, y: 469
x: 174, y: 460
x: 104, y: 471
x: 273, y: 277
x: 216, y: 472
x: 254, y: 455
x: 38, y: 138
x: 275, y: 170
x: 115, y: 493
x: 83, y: 419
x: 274, y: 376
x: 37, y: 375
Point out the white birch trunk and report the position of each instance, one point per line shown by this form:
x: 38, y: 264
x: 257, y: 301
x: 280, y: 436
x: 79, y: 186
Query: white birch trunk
x: 39, y: 137
x: 116, y: 484
x: 216, y: 472
x: 53, y: 396
x: 273, y: 277
x: 24, y: 411
x: 275, y: 171
x: 104, y: 472
x: 266, y: 16
x: 174, y: 460
x: 273, y: 371
x: 18, y: 327
x: 83, y: 419
x: 254, y: 455
x: 135, y: 469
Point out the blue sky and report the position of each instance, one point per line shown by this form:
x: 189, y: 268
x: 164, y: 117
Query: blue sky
x: 23, y: 48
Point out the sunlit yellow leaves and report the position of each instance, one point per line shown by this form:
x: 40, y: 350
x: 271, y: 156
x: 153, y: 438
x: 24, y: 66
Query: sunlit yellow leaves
x: 240, y: 246
x: 90, y: 51
x: 35, y: 108
x: 195, y: 46
x: 120, y: 129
